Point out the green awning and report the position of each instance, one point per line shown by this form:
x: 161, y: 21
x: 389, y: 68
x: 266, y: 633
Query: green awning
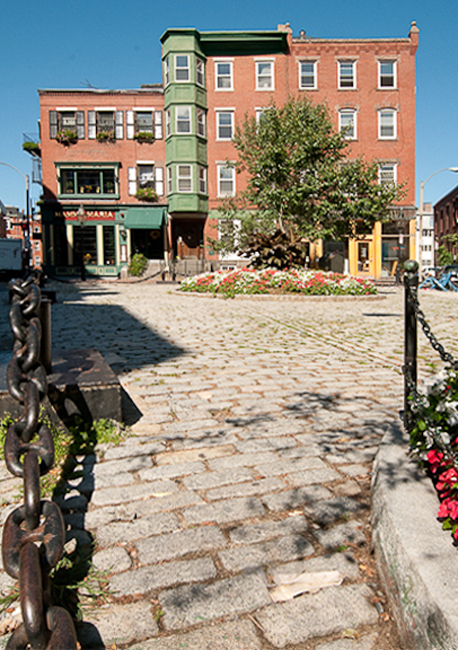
x: 148, y: 218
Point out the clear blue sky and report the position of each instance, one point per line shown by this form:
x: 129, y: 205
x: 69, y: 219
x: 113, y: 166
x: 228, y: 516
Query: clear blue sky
x: 115, y: 44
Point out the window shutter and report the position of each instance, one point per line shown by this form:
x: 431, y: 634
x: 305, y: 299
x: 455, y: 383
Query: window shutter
x: 132, y: 177
x: 159, y: 180
x: 52, y: 124
x: 91, y: 130
x: 119, y: 125
x: 80, y: 125
x: 130, y: 126
x: 158, y: 125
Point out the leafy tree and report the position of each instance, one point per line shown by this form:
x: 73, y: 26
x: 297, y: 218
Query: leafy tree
x: 299, y: 180
x: 444, y: 256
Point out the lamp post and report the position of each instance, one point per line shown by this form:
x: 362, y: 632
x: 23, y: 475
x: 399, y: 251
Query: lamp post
x: 81, y: 216
x: 420, y: 225
x: 27, y: 212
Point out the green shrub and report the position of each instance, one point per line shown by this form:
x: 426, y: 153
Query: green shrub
x: 137, y: 264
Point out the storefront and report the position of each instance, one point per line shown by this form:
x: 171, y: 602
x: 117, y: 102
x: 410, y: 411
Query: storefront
x: 103, y: 239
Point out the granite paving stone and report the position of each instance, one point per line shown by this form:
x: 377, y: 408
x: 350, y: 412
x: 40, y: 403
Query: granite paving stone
x: 326, y: 612
x: 257, y: 487
x: 174, y: 545
x: 150, y: 578
x: 132, y: 530
x: 191, y: 604
x: 251, y: 556
x: 237, y: 635
x: 224, y: 511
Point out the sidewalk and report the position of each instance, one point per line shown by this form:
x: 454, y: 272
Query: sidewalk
x: 252, y: 458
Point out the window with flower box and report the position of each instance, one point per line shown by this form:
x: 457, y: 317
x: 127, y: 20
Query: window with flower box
x: 66, y: 125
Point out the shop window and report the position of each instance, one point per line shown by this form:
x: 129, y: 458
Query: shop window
x: 85, y: 244
x: 74, y: 182
x: 109, y: 245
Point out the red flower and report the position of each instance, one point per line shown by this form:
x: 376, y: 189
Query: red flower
x: 434, y: 458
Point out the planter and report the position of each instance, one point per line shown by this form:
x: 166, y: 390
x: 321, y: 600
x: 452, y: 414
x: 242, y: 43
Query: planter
x: 144, y: 136
x: 66, y: 137
x: 146, y: 194
x: 106, y: 136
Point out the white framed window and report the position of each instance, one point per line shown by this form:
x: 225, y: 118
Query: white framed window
x: 159, y: 180
x: 182, y: 67
x: 224, y: 125
x: 158, y: 125
x: 347, y: 122
x: 259, y: 114
x: 66, y: 120
x: 201, y: 122
x: 168, y: 122
x: 226, y: 180
x: 387, y: 173
x: 347, y: 74
x: 184, y: 178
x: 387, y: 124
x: 169, y: 180
x: 200, y: 72
x: 202, y: 180
x: 167, y: 71
x: 183, y: 119
x: 387, y: 74
x: 264, y: 75
x: 224, y: 75
x: 307, y: 75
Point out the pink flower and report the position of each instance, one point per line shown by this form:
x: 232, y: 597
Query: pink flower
x: 447, y: 479
x: 434, y: 458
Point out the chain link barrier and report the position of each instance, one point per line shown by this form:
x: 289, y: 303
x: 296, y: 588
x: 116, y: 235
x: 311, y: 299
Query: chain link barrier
x: 34, y: 533
x: 437, y: 433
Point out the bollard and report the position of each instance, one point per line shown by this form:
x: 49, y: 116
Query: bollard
x: 44, y: 315
x: 410, y: 338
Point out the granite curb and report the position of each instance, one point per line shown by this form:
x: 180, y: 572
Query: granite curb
x: 417, y: 561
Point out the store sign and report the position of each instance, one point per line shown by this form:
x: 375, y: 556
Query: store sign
x: 90, y: 215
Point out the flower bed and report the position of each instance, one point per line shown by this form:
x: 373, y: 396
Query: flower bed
x: 270, y: 281
x: 434, y: 439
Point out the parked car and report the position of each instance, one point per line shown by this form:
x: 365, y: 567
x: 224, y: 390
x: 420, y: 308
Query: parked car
x: 453, y: 269
x: 429, y: 270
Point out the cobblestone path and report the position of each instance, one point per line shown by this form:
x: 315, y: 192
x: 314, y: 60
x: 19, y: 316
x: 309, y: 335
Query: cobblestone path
x: 252, y: 456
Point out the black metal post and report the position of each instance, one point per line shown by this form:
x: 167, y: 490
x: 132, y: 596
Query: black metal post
x: 410, y: 338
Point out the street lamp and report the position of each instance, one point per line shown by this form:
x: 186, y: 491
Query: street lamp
x: 27, y: 213
x: 420, y: 225
x: 81, y: 216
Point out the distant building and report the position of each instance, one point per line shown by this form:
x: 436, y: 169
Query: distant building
x: 446, y: 219
x: 427, y: 246
x: 151, y: 166
x: 2, y: 220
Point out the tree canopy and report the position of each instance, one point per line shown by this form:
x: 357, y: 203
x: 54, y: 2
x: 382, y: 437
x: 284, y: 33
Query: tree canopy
x: 300, y: 180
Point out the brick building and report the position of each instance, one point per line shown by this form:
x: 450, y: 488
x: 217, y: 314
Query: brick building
x: 446, y: 219
x: 173, y: 143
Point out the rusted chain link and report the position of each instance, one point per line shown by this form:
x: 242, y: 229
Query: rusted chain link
x: 34, y: 533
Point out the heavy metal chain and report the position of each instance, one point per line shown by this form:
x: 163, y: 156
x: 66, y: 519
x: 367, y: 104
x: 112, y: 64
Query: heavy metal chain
x: 34, y: 533
x: 444, y: 355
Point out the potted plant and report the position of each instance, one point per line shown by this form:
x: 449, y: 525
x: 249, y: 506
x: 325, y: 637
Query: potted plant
x: 144, y: 136
x: 146, y: 194
x: 106, y: 136
x: 32, y: 148
x: 67, y: 137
